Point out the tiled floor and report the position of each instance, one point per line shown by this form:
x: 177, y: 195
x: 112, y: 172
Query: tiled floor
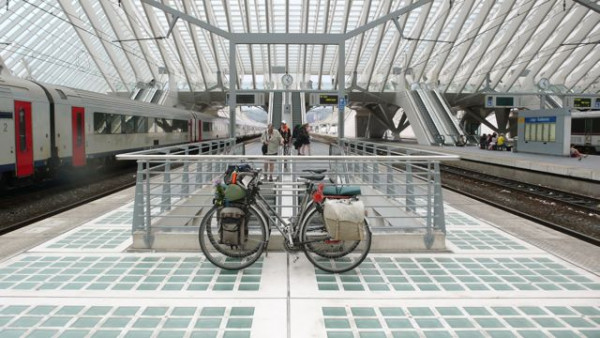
x: 84, y: 284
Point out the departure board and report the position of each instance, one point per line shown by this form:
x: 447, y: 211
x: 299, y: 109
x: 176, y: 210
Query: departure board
x: 245, y: 99
x: 505, y: 101
x: 328, y: 99
x: 582, y: 102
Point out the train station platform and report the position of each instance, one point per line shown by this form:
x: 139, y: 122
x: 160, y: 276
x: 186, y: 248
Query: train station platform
x: 75, y: 275
x: 587, y: 169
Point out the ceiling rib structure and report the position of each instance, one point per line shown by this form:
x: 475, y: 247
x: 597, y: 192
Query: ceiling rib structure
x: 460, y: 46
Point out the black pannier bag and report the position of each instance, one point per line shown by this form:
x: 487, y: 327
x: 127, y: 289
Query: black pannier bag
x: 232, y: 227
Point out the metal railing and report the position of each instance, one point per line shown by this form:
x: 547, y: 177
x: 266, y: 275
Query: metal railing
x: 400, y: 186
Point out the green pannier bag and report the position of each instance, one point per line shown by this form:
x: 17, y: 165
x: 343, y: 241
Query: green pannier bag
x: 234, y: 192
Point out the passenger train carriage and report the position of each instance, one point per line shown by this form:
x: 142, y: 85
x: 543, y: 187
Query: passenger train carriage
x: 585, y: 131
x: 44, y: 127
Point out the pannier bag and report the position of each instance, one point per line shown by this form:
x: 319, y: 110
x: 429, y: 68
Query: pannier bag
x: 232, y: 230
x: 234, y: 192
x: 240, y: 168
x: 344, y: 219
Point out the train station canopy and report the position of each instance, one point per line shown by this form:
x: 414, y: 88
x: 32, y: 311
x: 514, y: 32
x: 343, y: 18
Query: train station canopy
x: 458, y: 46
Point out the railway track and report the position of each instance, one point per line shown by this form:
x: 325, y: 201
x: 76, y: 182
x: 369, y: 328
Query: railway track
x: 20, y: 207
x: 576, y: 215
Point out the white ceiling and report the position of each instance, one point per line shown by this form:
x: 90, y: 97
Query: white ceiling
x: 110, y: 45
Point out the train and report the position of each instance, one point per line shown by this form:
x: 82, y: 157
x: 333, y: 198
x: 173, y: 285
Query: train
x: 44, y: 128
x: 585, y: 131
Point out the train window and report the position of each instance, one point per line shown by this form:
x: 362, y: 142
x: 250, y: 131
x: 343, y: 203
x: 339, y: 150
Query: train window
x: 22, y: 130
x: 61, y: 94
x: 180, y: 126
x: 206, y: 126
x: 594, y: 125
x: 101, y: 124
x: 116, y: 123
x: 577, y: 126
x: 141, y: 124
x: 129, y: 124
x: 164, y: 126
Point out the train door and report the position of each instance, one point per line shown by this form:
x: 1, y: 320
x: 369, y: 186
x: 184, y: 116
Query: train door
x: 23, y: 139
x: 78, y: 133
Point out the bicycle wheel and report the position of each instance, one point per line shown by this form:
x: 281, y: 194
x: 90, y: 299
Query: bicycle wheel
x: 329, y: 255
x: 233, y: 257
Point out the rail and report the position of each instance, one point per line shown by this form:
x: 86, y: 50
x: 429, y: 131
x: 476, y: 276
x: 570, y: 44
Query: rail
x: 400, y: 189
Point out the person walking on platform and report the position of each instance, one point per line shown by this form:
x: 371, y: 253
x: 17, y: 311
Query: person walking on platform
x: 501, y: 143
x: 492, y: 142
x: 272, y: 140
x: 303, y: 140
x: 286, y: 134
x: 575, y: 153
x: 482, y: 141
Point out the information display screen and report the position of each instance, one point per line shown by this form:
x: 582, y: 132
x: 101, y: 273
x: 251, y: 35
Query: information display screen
x: 582, y: 102
x: 245, y: 99
x: 325, y: 99
x: 505, y: 101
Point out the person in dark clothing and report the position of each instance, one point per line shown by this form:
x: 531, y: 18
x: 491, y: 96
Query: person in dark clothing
x: 482, y: 141
x: 303, y: 140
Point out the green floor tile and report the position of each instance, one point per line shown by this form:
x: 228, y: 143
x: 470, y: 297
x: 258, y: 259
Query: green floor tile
x: 405, y: 334
x: 74, y: 334
x: 208, y: 323
x: 587, y: 310
x: 363, y: 312
x: 577, y: 322
x: 363, y: 323
x: 86, y: 322
x: 369, y: 334
x: 56, y: 322
x: 591, y: 333
x: 519, y: 322
x: 106, y: 334
x: 42, y: 333
x: 146, y: 323
x: 139, y: 334
x: 13, y: 333
x: 340, y: 334
x: 116, y: 322
x: 501, y: 334
x: 532, y: 334
x: 328, y: 287
x: 488, y: 323
x: 236, y: 334
x: 392, y: 311
x: 177, y: 323
x: 469, y: 334
x: 353, y: 287
x: 437, y: 334
x: 242, y: 311
x: 548, y: 322
x: 398, y: 323
x: 460, y: 323
x: 334, y: 311
x: 155, y: 311
x: 331, y: 323
x: 428, y: 323
x: 171, y: 334
x: 212, y: 311
x: 28, y: 321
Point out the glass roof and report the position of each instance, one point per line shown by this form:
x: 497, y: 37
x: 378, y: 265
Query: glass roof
x: 458, y: 46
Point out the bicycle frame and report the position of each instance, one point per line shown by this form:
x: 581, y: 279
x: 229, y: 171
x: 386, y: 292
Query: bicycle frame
x: 287, y: 229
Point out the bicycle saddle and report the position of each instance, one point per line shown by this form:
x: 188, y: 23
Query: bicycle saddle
x: 315, y: 171
x: 313, y: 177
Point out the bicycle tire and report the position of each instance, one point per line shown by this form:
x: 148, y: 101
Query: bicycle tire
x: 327, y: 255
x: 230, y: 257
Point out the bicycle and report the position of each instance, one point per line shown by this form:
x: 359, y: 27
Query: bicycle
x: 306, y: 232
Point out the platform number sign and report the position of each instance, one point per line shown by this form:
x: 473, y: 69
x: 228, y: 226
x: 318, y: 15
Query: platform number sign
x: 342, y: 104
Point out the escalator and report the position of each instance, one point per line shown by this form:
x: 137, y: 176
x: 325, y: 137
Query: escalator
x: 432, y: 129
x: 277, y: 107
x: 297, y: 112
x: 444, y: 113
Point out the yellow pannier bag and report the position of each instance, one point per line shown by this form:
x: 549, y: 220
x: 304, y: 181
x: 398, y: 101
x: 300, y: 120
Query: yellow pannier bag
x: 344, y: 219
